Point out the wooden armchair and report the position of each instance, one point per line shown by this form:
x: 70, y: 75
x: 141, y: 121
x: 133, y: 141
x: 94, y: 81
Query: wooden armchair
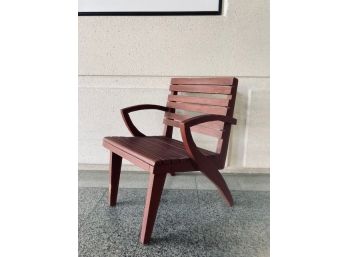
x: 160, y: 155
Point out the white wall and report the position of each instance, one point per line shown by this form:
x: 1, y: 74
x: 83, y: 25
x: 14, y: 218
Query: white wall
x: 130, y: 60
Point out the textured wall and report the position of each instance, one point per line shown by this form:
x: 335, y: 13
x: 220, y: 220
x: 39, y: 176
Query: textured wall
x: 130, y: 60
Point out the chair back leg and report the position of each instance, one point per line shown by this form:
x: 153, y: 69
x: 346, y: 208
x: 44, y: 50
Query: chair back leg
x: 153, y: 197
x: 214, y: 175
x: 114, y: 177
x: 221, y: 185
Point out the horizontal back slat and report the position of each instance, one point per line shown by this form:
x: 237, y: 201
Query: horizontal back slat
x: 207, y: 89
x: 197, y: 128
x: 198, y: 108
x: 203, y: 81
x: 179, y: 117
x: 199, y: 100
x: 184, y: 99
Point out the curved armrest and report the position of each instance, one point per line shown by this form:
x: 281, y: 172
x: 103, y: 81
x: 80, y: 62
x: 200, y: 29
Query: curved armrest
x: 185, y: 129
x: 209, y: 167
x: 127, y: 120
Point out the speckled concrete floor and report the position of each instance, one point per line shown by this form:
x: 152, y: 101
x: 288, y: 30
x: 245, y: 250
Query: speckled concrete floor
x: 190, y: 222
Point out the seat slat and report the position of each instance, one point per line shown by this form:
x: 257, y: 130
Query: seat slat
x: 199, y: 100
x: 156, y: 149
x: 204, y: 81
x: 207, y: 89
x: 180, y: 117
x: 207, y: 109
x: 179, y: 145
x: 162, y: 146
x: 149, y: 158
x: 153, y: 154
x: 144, y: 164
x: 197, y: 128
x: 153, y: 150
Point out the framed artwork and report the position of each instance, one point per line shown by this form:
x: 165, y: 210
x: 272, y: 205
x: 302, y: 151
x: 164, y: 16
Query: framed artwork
x: 149, y: 7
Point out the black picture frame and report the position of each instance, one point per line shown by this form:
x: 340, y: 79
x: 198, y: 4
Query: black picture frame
x: 219, y: 12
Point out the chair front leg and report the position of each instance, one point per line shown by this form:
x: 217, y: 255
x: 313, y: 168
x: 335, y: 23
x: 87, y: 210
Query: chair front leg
x: 114, y: 177
x: 153, y: 197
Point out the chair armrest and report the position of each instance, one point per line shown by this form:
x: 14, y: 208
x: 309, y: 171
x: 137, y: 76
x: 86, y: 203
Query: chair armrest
x: 185, y: 129
x: 127, y: 120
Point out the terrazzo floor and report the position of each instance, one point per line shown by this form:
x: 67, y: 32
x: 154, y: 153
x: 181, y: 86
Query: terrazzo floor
x: 190, y: 221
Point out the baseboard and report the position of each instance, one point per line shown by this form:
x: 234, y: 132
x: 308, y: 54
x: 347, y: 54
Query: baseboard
x: 130, y: 167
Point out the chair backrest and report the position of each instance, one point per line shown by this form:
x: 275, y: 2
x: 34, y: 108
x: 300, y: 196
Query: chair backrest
x: 190, y: 97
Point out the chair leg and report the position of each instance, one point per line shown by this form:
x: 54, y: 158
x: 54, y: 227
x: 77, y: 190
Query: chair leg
x: 220, y: 183
x: 153, y: 197
x: 114, y: 177
x: 214, y: 175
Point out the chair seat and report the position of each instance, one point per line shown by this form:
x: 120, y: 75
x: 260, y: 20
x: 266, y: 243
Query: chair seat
x: 157, y: 151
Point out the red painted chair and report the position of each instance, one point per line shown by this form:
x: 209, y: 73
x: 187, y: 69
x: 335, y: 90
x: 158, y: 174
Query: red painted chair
x: 160, y: 155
